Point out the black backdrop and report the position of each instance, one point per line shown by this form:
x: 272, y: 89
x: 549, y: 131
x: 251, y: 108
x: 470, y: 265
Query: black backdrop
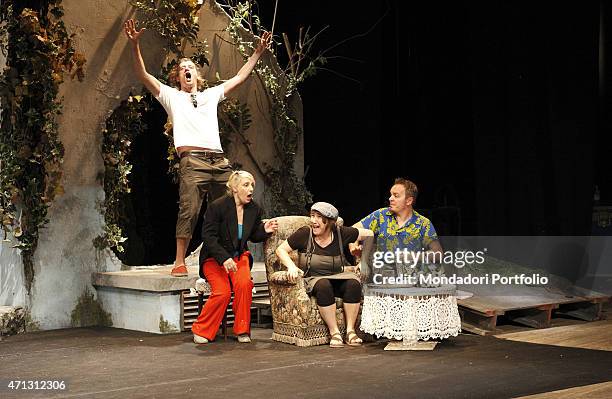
x: 490, y: 107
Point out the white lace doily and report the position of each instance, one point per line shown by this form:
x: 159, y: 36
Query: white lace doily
x: 411, y: 318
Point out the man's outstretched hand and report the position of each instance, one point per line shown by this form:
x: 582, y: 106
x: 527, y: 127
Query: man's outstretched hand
x: 131, y: 32
x: 264, y: 43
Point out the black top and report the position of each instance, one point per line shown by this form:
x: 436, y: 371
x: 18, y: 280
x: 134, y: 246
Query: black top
x: 299, y: 241
x: 220, y: 230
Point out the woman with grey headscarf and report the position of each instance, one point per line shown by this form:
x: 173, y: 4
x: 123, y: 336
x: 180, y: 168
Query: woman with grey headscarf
x: 322, y: 257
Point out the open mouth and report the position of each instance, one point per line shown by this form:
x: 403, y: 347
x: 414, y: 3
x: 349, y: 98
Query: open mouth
x: 188, y: 76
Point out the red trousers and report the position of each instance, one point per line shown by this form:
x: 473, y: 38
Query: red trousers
x: 210, y: 318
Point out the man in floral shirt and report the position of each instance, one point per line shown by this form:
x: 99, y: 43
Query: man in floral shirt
x: 399, y: 226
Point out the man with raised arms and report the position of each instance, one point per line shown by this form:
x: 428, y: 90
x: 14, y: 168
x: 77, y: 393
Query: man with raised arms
x: 203, y: 170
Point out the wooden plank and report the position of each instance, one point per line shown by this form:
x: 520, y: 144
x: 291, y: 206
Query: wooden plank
x: 588, y: 311
x: 497, y: 300
x: 594, y: 391
x: 587, y: 294
x: 501, y: 305
x: 476, y: 322
x: 595, y: 336
x: 537, y: 317
x: 480, y: 305
x: 475, y: 330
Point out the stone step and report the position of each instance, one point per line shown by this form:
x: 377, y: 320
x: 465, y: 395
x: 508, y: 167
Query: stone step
x: 158, y: 278
x: 148, y: 298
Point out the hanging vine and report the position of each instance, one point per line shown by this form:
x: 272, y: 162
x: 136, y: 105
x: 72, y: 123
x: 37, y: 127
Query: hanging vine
x: 176, y: 22
x: 122, y: 126
x: 39, y: 52
x: 288, y: 193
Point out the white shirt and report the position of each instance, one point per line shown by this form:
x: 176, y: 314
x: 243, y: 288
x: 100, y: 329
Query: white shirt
x: 196, y: 127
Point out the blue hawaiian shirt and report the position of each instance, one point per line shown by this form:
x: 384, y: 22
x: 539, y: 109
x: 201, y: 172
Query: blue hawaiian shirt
x: 415, y: 235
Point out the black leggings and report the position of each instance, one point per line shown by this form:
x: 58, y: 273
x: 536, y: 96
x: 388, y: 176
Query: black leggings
x: 325, y: 290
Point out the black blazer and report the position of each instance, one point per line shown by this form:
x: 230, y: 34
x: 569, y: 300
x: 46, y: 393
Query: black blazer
x: 220, y: 230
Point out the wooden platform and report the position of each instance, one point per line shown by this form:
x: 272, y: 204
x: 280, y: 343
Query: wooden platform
x: 594, y: 391
x: 526, y: 305
x: 594, y: 336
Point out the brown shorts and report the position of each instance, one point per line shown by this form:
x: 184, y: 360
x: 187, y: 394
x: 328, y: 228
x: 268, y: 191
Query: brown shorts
x: 200, y: 176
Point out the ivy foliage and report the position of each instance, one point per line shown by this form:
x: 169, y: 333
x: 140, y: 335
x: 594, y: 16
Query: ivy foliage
x: 176, y: 22
x: 121, y: 128
x: 39, y: 53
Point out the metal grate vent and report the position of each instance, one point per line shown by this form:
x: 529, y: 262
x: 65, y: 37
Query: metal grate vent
x: 189, y: 307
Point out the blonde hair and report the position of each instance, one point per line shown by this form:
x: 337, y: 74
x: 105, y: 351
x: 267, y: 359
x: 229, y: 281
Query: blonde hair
x: 234, y: 180
x: 173, y: 76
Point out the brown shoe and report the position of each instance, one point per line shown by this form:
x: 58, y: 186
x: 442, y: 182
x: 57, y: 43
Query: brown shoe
x: 179, y: 271
x: 336, y: 341
x: 352, y: 339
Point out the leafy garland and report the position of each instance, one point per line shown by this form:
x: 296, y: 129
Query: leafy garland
x: 39, y: 52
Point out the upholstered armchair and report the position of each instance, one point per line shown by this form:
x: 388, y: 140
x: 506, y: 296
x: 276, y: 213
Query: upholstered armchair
x: 295, y: 315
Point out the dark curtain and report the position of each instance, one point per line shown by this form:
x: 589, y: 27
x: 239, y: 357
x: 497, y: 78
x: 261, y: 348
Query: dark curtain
x: 535, y: 113
x: 491, y: 107
x: 503, y: 104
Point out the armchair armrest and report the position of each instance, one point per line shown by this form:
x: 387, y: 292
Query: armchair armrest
x: 202, y: 286
x: 281, y: 278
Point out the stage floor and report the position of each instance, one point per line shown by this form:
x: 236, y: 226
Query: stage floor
x: 115, y: 363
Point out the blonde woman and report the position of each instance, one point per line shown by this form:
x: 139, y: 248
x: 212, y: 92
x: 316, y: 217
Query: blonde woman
x: 229, y: 223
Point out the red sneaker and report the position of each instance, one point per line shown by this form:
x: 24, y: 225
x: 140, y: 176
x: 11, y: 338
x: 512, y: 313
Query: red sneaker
x: 179, y: 271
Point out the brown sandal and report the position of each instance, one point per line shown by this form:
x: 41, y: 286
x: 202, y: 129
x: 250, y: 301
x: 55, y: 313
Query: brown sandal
x: 352, y: 339
x: 336, y: 341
